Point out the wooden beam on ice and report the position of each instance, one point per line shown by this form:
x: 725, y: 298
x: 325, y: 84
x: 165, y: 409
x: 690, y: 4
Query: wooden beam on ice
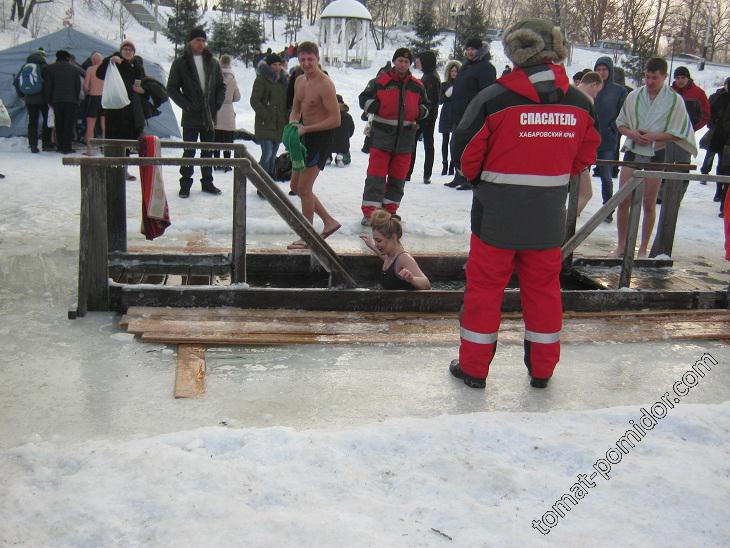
x: 190, y: 371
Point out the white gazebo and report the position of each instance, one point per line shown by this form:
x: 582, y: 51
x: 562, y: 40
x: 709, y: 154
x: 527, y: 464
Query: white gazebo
x: 343, y: 34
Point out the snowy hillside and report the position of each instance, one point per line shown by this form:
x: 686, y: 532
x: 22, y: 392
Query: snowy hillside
x: 331, y: 446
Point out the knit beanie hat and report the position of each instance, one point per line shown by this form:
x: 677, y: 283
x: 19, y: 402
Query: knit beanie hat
x: 682, y: 71
x: 272, y: 58
x: 534, y: 41
x: 475, y: 43
x: 42, y: 51
x: 403, y: 52
x: 127, y: 43
x: 197, y: 32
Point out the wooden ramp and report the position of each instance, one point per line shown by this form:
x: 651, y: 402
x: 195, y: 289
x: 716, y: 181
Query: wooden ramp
x: 233, y: 326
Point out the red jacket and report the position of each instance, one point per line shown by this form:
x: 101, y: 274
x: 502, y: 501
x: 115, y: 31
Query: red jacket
x: 521, y: 139
x: 695, y: 100
x: 396, y: 102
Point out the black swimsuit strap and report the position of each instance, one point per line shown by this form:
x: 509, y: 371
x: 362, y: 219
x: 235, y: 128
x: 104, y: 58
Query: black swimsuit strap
x: 395, y: 260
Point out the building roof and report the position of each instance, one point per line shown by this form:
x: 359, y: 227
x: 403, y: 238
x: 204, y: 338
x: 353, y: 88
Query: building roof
x: 350, y: 9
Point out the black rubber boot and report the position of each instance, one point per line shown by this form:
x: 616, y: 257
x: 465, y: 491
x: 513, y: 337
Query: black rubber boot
x: 539, y: 383
x: 473, y: 382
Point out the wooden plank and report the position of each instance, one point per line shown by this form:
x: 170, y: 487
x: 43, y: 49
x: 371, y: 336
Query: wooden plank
x: 592, y: 329
x: 150, y: 312
x: 632, y: 232
x: 116, y: 189
x: 190, y: 371
x: 571, y: 215
x: 93, y: 289
x: 607, y: 261
x: 400, y: 301
x: 238, y: 244
x: 512, y: 334
x: 672, y: 194
x: 664, y: 166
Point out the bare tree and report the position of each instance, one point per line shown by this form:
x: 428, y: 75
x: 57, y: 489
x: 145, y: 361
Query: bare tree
x: 37, y: 21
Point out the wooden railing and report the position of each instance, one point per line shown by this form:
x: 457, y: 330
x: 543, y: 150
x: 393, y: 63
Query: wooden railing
x: 103, y: 213
x: 634, y: 188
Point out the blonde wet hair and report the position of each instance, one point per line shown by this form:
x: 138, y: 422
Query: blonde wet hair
x: 386, y: 224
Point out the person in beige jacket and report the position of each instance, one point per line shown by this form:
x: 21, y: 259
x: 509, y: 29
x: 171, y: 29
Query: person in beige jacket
x: 226, y: 121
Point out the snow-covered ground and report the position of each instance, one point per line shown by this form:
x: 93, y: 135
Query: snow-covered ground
x: 330, y: 445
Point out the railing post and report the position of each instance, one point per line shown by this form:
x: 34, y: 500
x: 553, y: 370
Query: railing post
x: 239, y: 222
x: 627, y: 265
x: 116, y: 205
x: 93, y: 290
x: 571, y: 216
x: 672, y: 192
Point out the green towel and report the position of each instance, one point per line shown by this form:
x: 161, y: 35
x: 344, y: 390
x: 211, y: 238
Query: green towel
x: 293, y: 143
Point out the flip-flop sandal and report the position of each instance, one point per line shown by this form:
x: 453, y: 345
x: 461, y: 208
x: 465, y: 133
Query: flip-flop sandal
x: 297, y: 245
x: 331, y: 231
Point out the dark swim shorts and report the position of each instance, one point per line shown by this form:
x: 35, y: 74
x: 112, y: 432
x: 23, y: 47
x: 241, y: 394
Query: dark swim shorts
x: 94, y: 109
x: 319, y: 147
x: 658, y: 157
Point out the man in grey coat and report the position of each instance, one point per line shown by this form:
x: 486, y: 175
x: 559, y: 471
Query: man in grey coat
x: 608, y: 106
x: 196, y: 85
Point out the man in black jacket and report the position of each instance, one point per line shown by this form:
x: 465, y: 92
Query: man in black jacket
x: 196, y: 85
x: 35, y: 103
x: 475, y: 74
x: 426, y: 62
x: 61, y: 89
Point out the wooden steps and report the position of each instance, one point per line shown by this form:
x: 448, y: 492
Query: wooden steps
x: 233, y: 326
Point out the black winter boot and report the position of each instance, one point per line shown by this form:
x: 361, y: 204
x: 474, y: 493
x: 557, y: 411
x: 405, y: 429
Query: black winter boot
x: 473, y: 382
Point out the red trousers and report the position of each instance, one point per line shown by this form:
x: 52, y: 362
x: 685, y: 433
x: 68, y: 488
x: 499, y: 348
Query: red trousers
x: 488, y: 271
x: 385, y: 181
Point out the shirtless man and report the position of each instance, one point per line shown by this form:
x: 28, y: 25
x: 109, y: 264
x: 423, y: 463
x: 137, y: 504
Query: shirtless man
x: 649, y: 119
x: 316, y: 112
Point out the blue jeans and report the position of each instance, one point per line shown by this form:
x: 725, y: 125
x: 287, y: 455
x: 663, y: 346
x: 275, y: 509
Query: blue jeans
x: 268, y: 155
x: 605, y: 174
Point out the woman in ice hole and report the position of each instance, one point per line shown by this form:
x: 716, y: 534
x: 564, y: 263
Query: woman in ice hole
x: 400, y: 270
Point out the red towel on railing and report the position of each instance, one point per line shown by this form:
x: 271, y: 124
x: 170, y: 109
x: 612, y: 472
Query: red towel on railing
x: 155, y: 213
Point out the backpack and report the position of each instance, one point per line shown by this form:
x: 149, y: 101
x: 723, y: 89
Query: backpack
x: 30, y: 80
x: 282, y: 167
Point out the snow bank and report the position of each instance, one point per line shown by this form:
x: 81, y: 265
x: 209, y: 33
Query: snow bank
x: 481, y: 479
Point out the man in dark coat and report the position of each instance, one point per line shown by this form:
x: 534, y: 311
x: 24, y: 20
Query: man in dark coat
x: 608, y: 106
x: 426, y: 61
x: 476, y: 74
x: 35, y: 104
x: 61, y: 89
x: 709, y: 138
x: 196, y: 85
